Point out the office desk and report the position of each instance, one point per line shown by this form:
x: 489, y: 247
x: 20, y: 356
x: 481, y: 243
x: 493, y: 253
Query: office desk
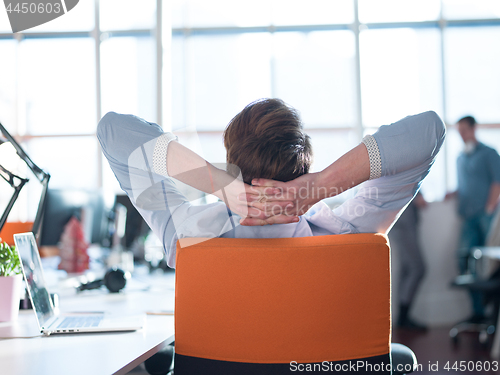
x: 96, y: 353
x: 492, y: 252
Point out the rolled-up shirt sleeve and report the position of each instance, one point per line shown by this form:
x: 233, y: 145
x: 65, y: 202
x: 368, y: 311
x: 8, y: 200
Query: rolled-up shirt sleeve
x: 401, y: 155
x: 374, y: 156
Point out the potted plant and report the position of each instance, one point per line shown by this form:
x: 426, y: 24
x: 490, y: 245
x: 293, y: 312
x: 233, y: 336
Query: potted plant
x: 10, y: 282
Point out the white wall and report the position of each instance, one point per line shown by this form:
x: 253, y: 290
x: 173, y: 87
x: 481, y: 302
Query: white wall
x: 436, y: 303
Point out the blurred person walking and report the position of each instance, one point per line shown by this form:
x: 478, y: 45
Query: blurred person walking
x: 404, y: 237
x: 478, y: 170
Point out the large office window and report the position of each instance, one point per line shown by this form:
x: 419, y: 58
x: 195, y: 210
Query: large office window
x: 58, y: 79
x: 348, y: 66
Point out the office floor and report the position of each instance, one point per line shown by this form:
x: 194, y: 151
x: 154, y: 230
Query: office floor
x: 435, y: 347
x: 432, y: 347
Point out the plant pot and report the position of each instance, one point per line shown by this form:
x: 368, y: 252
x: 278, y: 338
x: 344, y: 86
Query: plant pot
x: 9, y: 297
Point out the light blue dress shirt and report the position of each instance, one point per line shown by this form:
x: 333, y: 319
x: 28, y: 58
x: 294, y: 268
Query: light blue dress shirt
x: 401, y: 155
x: 477, y: 171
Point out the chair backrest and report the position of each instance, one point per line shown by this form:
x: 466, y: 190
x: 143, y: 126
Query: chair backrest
x: 268, y: 301
x: 11, y: 228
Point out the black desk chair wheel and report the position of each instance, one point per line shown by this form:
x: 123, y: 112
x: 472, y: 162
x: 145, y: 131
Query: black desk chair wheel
x: 161, y: 363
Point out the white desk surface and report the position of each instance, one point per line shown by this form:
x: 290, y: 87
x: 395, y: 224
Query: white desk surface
x: 492, y: 252
x: 95, y: 353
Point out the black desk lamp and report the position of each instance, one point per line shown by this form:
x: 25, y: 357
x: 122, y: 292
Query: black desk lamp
x: 17, y: 182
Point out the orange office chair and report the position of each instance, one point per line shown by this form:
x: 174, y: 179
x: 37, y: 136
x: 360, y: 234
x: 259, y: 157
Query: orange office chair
x: 274, y: 306
x: 11, y: 228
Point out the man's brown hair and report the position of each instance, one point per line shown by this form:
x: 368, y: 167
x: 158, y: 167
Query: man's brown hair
x: 471, y: 121
x: 266, y: 140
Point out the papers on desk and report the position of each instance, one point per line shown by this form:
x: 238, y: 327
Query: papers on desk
x: 159, y: 313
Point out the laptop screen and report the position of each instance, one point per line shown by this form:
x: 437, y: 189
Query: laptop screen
x: 33, y: 274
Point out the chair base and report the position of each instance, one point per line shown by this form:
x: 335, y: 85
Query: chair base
x: 161, y: 363
x: 490, y: 289
x: 485, y: 330
x: 402, y: 358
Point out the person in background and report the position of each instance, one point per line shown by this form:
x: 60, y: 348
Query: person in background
x: 404, y: 237
x: 478, y: 170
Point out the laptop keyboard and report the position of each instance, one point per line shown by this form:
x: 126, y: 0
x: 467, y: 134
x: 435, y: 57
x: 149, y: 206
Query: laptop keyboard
x: 80, y: 322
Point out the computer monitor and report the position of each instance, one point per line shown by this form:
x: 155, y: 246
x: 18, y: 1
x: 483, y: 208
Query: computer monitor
x: 135, y: 226
x: 87, y: 206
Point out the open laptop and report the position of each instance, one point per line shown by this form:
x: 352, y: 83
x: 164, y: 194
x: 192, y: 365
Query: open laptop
x: 48, y: 319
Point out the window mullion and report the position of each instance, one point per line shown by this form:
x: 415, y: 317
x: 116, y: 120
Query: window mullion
x: 96, y: 33
x: 442, y: 26
x: 359, y: 110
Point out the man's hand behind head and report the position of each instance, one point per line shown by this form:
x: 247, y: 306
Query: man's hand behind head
x: 282, y: 202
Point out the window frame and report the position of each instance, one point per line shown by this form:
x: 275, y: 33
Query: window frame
x: 162, y: 36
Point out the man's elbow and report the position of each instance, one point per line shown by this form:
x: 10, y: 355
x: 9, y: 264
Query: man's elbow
x: 433, y: 119
x: 433, y: 131
x: 105, y: 123
x: 105, y: 127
